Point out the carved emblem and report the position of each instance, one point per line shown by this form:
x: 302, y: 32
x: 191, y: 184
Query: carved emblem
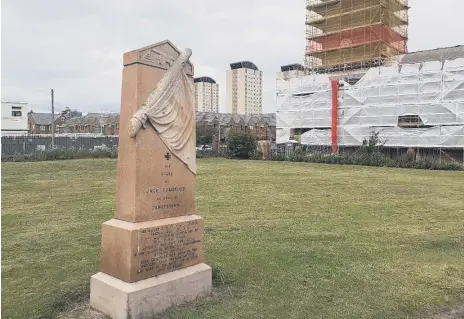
x: 157, y: 58
x: 163, y: 56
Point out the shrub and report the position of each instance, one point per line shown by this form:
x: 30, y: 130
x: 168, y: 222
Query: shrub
x: 376, y: 160
x: 299, y: 155
x: 242, y: 146
x: 207, y: 154
x: 370, y: 154
x: 277, y: 157
x: 204, y: 134
x: 451, y: 167
x: 61, y: 154
x: 373, y: 145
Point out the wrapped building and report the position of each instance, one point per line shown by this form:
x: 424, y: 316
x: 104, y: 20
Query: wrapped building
x: 416, y: 101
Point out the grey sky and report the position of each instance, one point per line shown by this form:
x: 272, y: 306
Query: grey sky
x: 76, y: 47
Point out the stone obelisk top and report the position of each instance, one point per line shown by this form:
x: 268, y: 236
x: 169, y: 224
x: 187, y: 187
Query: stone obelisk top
x: 159, y: 55
x: 152, y: 183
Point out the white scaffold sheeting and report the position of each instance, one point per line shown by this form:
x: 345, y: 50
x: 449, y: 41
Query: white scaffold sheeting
x: 282, y: 135
x: 433, y: 91
x: 440, y: 136
x: 302, y: 101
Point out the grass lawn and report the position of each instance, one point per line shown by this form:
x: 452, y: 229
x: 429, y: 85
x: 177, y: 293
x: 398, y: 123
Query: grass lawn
x: 292, y: 240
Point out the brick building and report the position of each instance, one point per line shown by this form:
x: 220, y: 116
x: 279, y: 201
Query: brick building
x: 41, y: 123
x: 92, y: 123
x: 262, y: 126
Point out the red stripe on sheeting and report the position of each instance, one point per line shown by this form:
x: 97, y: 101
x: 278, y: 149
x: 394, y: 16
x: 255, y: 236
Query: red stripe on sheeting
x: 334, y: 116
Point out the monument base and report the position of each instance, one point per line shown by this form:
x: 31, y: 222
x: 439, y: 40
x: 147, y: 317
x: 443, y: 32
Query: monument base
x: 145, y: 298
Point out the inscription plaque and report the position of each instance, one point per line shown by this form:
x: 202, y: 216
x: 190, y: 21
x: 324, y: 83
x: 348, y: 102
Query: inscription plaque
x: 167, y: 248
x: 156, y: 247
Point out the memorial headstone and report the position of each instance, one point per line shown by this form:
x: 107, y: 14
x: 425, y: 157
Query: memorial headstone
x: 152, y: 251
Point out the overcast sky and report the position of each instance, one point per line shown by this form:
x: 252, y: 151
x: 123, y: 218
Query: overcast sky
x: 76, y: 46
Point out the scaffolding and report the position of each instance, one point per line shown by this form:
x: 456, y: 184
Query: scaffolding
x: 344, y: 35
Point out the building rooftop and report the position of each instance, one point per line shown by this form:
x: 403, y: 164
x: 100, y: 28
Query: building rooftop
x: 93, y: 119
x: 226, y: 118
x: 243, y: 64
x: 15, y: 102
x: 440, y: 54
x: 291, y: 67
x: 206, y: 79
x: 43, y: 118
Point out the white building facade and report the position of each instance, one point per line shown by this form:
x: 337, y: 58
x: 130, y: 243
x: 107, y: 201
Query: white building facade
x: 244, y: 88
x: 14, y: 118
x: 206, y: 95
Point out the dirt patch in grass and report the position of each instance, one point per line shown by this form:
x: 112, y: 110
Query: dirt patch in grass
x: 82, y: 311
x: 454, y: 312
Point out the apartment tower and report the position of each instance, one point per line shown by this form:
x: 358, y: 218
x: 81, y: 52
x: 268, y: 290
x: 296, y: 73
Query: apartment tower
x: 206, y: 95
x: 345, y: 35
x: 244, y: 88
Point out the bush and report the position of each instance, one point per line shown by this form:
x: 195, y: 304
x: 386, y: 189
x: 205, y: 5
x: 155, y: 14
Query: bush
x: 371, y: 159
x: 61, y: 154
x: 207, y: 154
x: 299, y: 155
x: 204, y: 134
x: 373, y: 145
x: 242, y: 146
x: 370, y: 154
x: 278, y: 157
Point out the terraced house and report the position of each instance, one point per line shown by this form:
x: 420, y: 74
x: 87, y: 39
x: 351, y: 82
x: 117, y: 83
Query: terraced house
x: 262, y: 126
x: 92, y: 123
x: 41, y: 123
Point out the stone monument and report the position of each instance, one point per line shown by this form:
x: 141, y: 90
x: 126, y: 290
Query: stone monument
x: 152, y: 251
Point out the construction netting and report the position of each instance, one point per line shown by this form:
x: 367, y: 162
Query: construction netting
x: 409, y: 105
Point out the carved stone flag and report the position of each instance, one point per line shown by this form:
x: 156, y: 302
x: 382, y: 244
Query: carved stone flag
x: 171, y: 111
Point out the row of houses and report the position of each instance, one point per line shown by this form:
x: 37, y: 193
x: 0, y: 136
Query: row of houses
x: 95, y: 123
x: 262, y: 126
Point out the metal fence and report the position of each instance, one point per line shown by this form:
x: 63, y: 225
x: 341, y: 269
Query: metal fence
x: 28, y: 144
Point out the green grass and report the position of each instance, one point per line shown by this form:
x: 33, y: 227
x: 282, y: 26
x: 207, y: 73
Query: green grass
x: 293, y: 240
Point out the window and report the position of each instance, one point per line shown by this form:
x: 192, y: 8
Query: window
x: 410, y: 121
x: 62, y: 119
x: 42, y: 127
x: 16, y: 113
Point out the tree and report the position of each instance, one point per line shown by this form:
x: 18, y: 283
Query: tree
x: 204, y: 134
x: 372, y: 146
x: 242, y: 145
